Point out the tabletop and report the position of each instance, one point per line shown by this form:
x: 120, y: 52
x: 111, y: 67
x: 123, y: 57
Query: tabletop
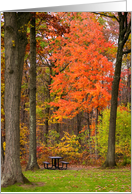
x: 55, y: 157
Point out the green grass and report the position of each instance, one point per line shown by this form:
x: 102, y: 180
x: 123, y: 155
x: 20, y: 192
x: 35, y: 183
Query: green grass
x: 94, y: 180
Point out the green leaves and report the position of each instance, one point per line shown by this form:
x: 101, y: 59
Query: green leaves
x: 123, y: 132
x: 43, y: 44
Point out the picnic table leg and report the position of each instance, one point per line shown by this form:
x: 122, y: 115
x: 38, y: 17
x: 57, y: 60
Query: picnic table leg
x: 52, y: 162
x: 58, y: 164
x: 55, y: 163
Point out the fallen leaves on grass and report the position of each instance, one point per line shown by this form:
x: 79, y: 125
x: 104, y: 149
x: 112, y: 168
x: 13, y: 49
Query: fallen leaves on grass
x: 40, y: 184
x: 75, y: 186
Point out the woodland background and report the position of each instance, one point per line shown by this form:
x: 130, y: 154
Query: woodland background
x: 75, y: 62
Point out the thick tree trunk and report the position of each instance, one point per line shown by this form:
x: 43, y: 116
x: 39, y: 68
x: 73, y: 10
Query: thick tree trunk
x: 110, y: 161
x: 32, y: 163
x: 124, y: 31
x: 15, y: 44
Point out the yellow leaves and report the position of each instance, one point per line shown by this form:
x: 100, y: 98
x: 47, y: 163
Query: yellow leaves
x: 22, y: 142
x: 31, y: 25
x: 2, y: 111
x: 69, y: 145
x: 62, y: 138
x: 2, y: 120
x: 24, y: 132
x: 41, y: 123
x: 22, y: 29
x: 4, y: 145
x: 13, y: 43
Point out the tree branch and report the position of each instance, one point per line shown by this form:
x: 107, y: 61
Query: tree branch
x: 125, y: 18
x: 127, y: 32
x: 126, y: 52
x: 44, y: 64
x: 62, y: 69
x: 103, y: 14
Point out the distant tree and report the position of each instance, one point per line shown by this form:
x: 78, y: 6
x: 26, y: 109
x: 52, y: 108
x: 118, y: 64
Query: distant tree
x: 32, y: 163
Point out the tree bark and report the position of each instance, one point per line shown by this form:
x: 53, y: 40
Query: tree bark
x: 89, y: 134
x: 96, y: 128
x: 129, y: 82
x: 47, y: 110
x: 57, y: 127
x: 124, y: 31
x: 79, y: 125
x: 2, y: 155
x: 32, y: 163
x: 15, y: 44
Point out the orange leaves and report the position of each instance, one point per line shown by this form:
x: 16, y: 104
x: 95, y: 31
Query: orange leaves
x: 86, y: 82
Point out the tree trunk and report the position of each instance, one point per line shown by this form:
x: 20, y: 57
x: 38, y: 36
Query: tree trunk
x: 46, y: 124
x: 24, y: 114
x: 57, y: 125
x: 78, y: 125
x: 2, y: 155
x: 32, y: 163
x: 96, y: 128
x: 47, y: 109
x: 124, y: 31
x: 89, y: 134
x: 129, y: 82
x: 15, y: 44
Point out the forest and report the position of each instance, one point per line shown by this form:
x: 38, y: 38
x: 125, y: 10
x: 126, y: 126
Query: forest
x: 65, y: 89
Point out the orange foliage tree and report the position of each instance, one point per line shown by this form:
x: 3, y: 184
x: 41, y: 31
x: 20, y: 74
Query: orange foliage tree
x: 86, y: 82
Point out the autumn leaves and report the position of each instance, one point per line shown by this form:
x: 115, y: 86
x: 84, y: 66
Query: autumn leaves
x: 86, y: 82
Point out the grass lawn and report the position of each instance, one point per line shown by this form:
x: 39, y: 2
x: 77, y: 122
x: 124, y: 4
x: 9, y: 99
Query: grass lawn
x: 84, y: 180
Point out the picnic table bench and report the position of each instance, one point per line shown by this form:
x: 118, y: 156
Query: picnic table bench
x: 64, y: 162
x: 46, y: 163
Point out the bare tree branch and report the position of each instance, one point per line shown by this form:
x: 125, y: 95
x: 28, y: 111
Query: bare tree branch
x: 45, y: 64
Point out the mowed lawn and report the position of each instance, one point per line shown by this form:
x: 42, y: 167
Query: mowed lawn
x: 83, y: 180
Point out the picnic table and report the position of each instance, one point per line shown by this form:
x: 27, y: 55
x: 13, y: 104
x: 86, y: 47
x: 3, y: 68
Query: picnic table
x: 55, y: 163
